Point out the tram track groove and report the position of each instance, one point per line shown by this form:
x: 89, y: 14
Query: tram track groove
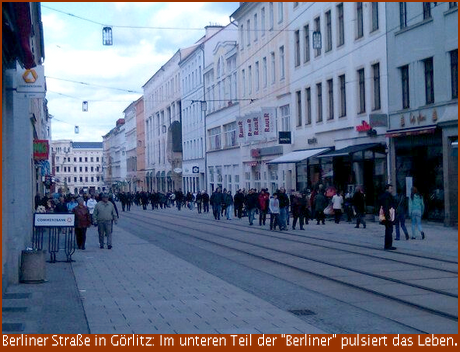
x: 167, y: 226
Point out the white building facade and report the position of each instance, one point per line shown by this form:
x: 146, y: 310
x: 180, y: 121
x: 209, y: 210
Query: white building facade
x: 162, y: 110
x: 114, y: 165
x: 77, y: 166
x: 131, y: 147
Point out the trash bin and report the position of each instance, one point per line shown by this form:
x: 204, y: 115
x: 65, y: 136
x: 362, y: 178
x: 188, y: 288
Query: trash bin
x: 33, y: 268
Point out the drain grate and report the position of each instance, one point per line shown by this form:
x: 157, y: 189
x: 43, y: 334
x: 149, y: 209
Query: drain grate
x: 301, y: 312
x: 12, y: 327
x: 14, y: 309
x: 16, y: 295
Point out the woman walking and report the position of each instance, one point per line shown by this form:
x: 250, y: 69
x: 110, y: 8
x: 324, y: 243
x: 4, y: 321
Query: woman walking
x: 416, y: 209
x: 82, y: 222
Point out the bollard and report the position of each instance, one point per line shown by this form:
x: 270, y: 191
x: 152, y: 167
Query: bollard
x: 33, y: 269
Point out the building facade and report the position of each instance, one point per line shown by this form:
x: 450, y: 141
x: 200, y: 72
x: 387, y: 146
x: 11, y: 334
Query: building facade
x: 131, y: 148
x: 114, y: 163
x: 77, y: 166
x: 140, y: 142
x: 423, y: 103
x: 162, y: 110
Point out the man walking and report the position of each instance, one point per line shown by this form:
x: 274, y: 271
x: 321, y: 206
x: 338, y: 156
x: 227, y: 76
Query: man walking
x: 104, y: 214
x: 388, y: 204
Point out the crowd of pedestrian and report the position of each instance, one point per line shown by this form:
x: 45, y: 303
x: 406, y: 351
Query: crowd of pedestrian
x: 101, y: 210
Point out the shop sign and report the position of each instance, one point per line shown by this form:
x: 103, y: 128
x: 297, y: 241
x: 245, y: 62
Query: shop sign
x: 364, y: 127
x: 255, y: 153
x: 284, y: 138
x: 31, y: 81
x: 54, y: 220
x: 41, y: 149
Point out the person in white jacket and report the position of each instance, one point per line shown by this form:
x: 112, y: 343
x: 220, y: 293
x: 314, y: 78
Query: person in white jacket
x: 274, y: 209
x: 337, y: 205
x: 91, y: 204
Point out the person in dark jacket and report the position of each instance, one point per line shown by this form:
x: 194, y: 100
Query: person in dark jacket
x: 239, y: 203
x: 262, y: 203
x: 199, y: 202
x: 320, y: 205
x: 251, y: 205
x: 179, y: 198
x: 298, y: 206
x: 284, y: 208
x: 359, y: 204
x: 400, y: 220
x: 205, y: 197
x: 228, y: 201
x: 216, y: 202
x: 387, y: 202
x: 61, y: 207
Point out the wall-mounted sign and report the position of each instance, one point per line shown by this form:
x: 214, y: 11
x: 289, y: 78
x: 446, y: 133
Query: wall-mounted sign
x: 41, y: 149
x: 364, y: 127
x: 195, y: 170
x: 284, y: 137
x: 31, y: 82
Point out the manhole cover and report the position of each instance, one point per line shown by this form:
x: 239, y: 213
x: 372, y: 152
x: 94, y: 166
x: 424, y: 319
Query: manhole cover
x: 301, y: 312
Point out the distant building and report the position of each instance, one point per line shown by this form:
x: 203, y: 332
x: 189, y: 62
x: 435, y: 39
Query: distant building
x: 77, y: 166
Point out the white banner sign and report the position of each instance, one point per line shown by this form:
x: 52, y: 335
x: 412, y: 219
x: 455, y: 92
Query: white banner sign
x: 52, y: 220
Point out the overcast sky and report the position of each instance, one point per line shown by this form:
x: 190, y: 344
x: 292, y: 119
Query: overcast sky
x: 79, y: 68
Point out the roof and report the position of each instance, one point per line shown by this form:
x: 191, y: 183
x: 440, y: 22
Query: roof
x: 87, y: 145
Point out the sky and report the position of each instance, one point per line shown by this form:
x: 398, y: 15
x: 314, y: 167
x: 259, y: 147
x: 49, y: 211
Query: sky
x: 78, y: 67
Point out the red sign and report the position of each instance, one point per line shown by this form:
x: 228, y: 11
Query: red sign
x: 364, y: 127
x: 41, y: 149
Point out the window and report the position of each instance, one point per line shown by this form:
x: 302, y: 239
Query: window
x: 405, y: 86
x: 80, y: 159
x: 86, y: 168
x: 75, y: 169
x: 402, y: 15
x: 81, y: 169
x: 230, y: 134
x: 328, y: 31
x: 241, y: 40
x: 280, y: 12
x: 429, y: 81
x: 248, y: 32
x: 257, y: 77
x: 86, y: 159
x: 74, y: 160
x: 215, y: 138
x: 340, y: 26
x: 262, y: 21
x: 249, y: 79
x: 256, y: 29
x: 243, y: 81
x: 319, y: 102
x: 361, y: 91
x: 454, y: 73
x: 306, y: 30
x: 299, y: 107
x: 359, y: 20
x: 330, y: 99
x: 92, y: 159
x: 343, y: 97
x: 273, y: 68
x: 375, y: 16
x: 317, y: 29
x: 75, y: 180
x: 264, y: 72
x: 297, y: 48
x: 308, y: 106
x: 453, y: 5
x: 285, y: 118
x: 376, y: 86
x: 57, y: 168
x: 271, y: 14
x: 282, y: 71
x: 92, y: 178
x: 426, y: 10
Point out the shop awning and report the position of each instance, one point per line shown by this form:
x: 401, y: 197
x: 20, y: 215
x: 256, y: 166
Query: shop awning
x: 410, y: 131
x: 297, y: 156
x: 350, y: 150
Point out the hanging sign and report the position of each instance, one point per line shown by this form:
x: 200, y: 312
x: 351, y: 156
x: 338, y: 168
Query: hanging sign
x: 41, y: 149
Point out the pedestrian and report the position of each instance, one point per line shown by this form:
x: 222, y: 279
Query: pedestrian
x: 250, y: 201
x: 205, y: 198
x: 72, y: 204
x: 337, y: 205
x: 262, y: 203
x: 239, y: 203
x: 320, y: 204
x: 61, y: 206
x: 104, y: 215
x: 416, y: 210
x: 91, y: 204
x: 199, y: 201
x: 216, y: 203
x: 284, y: 208
x: 348, y: 206
x: 274, y: 210
x: 387, y: 204
x: 228, y: 200
x: 179, y: 198
x: 400, y: 217
x: 82, y: 222
x: 298, y: 206
x: 359, y: 204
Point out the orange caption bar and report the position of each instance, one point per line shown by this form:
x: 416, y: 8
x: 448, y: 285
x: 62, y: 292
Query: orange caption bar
x: 243, y: 341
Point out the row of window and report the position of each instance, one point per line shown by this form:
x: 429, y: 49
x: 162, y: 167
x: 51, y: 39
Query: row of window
x: 427, y: 6
x: 69, y: 169
x: 428, y: 72
x: 80, y: 179
x: 80, y: 159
